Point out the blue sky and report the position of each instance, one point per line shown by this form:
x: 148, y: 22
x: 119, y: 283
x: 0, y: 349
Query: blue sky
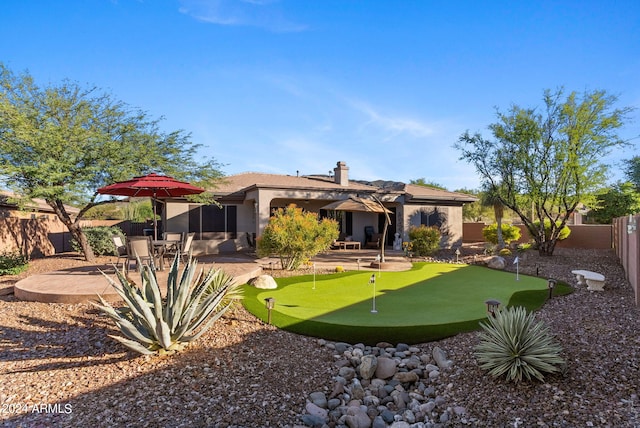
x: 283, y: 86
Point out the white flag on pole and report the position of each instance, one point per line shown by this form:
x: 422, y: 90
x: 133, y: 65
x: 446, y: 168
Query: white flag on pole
x: 515, y: 261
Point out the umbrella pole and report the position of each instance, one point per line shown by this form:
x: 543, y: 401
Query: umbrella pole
x: 155, y: 218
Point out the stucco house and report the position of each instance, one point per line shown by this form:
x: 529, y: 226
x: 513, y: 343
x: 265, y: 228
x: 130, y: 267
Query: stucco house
x: 247, y: 201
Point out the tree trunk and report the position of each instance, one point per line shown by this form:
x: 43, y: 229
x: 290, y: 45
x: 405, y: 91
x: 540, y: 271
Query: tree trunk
x: 81, y: 238
x: 545, y: 248
x: 74, y: 228
x: 383, y: 239
x: 499, y: 233
x: 499, y: 211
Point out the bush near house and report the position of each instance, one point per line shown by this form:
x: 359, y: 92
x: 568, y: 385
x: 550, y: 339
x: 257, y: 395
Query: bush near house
x: 99, y: 238
x: 424, y: 240
x: 564, y: 232
x: 295, y: 236
x: 12, y: 263
x: 510, y: 233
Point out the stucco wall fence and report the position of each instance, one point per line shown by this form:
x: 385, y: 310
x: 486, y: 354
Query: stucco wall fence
x: 627, y: 248
x: 591, y: 236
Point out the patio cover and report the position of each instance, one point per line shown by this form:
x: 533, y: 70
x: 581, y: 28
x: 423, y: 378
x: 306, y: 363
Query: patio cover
x: 354, y: 203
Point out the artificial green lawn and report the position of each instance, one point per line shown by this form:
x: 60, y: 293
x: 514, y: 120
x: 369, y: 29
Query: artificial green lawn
x: 429, y: 302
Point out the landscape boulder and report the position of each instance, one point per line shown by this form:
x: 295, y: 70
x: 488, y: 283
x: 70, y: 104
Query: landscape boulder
x: 497, y: 262
x: 264, y: 282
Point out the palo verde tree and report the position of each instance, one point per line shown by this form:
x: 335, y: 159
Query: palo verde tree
x: 62, y: 142
x: 295, y: 236
x: 543, y: 163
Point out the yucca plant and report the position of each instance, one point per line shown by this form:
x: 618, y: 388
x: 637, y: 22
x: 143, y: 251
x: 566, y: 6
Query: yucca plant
x: 150, y: 324
x: 514, y: 345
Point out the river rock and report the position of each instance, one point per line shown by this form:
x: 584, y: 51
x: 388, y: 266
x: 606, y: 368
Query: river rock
x: 347, y: 372
x: 357, y: 418
x: 368, y: 365
x: 406, y: 377
x: 319, y: 399
x: 314, y: 410
x: 386, y: 368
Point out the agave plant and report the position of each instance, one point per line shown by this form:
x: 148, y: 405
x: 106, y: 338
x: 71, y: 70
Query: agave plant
x: 150, y: 324
x: 514, y: 345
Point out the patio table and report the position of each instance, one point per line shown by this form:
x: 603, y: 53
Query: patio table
x: 160, y: 246
x: 343, y: 245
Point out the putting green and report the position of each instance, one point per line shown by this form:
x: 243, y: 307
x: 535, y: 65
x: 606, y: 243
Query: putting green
x: 428, y: 302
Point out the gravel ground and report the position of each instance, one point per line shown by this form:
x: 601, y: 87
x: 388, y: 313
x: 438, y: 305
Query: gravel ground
x: 59, y: 369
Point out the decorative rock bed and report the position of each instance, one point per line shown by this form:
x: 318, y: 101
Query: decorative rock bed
x: 381, y: 386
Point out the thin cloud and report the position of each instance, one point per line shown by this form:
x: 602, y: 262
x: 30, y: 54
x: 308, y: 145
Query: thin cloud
x: 393, y: 124
x: 266, y: 14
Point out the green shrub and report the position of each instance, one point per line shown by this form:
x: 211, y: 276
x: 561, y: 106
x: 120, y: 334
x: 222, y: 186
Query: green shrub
x: 151, y: 325
x: 13, y: 263
x: 99, y: 238
x: 564, y: 232
x: 424, y: 240
x: 509, y: 233
x: 504, y: 252
x: 525, y: 246
x: 515, y: 346
x: 295, y: 236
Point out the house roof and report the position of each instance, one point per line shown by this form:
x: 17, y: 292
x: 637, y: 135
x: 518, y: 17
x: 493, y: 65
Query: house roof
x: 237, y: 185
x: 35, y: 204
x: 250, y: 180
x: 424, y: 193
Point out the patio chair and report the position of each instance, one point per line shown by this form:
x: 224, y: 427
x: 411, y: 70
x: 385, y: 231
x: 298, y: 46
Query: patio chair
x: 182, y: 249
x: 178, y: 237
x: 120, y: 249
x: 186, y: 245
x: 139, y: 247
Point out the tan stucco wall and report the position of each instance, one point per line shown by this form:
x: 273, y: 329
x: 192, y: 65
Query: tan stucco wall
x: 176, y: 217
x: 411, y: 218
x: 593, y: 236
x: 254, y: 218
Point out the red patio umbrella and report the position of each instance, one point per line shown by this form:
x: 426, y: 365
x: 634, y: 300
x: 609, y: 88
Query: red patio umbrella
x: 154, y: 186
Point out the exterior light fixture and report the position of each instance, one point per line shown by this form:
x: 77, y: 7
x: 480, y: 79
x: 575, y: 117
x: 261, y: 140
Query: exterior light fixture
x: 269, y: 303
x: 632, y: 224
x: 457, y: 255
x: 492, y: 306
x: 551, y: 283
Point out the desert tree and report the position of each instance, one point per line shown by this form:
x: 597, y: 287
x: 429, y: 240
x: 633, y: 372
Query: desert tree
x: 63, y: 141
x: 620, y: 199
x: 544, y: 162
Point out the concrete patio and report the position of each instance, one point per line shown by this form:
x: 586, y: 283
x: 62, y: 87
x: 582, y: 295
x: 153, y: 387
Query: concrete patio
x: 83, y: 284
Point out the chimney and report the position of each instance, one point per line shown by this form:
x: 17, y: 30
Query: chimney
x: 341, y: 174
